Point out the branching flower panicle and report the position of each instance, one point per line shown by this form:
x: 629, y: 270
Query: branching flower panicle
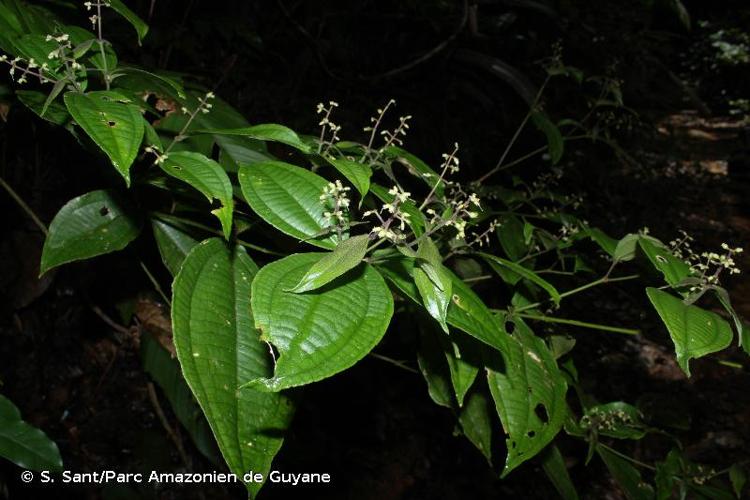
x: 707, y: 266
x: 391, y: 217
x: 328, y: 129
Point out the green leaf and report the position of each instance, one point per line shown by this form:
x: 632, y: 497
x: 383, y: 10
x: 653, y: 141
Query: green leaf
x: 600, y: 238
x: 433, y: 281
x: 695, y: 332
x: 466, y: 312
x: 512, y: 239
x: 726, y: 303
x: 554, y: 467
x: 24, y: 445
x: 59, y: 86
x: 625, y: 249
x: 346, y: 256
x: 166, y: 372
x: 112, y: 122
x: 173, y: 244
x: 529, y: 393
x: 555, y: 140
x: 219, y: 349
x: 432, y: 365
x: 358, y: 174
x: 523, y: 272
x: 322, y: 333
x: 207, y: 176
x: 435, y: 300
x: 626, y: 476
x: 265, y: 132
x: 476, y: 422
x: 55, y: 113
x: 617, y: 419
x: 141, y: 28
x: 673, y: 269
x: 288, y: 198
x: 738, y: 478
x: 464, y: 359
x: 93, y: 224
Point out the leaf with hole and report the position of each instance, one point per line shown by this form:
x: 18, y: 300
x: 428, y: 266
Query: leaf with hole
x: 24, y: 445
x: 319, y: 333
x: 694, y: 331
x: 93, y: 224
x: 288, y: 198
x: 219, y: 349
x: 112, y: 122
x: 346, y: 256
x: 529, y: 393
x: 674, y: 270
x: 207, y: 176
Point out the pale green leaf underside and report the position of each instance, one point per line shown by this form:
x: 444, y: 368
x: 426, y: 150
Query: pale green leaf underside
x: 207, y: 176
x: 346, y: 256
x: 529, y: 393
x: 219, y: 349
x: 113, y: 124
x: 320, y: 333
x: 694, y: 331
x: 288, y: 198
x: 24, y: 445
x: 93, y: 224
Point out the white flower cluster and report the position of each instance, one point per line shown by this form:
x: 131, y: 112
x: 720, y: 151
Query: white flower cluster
x: 96, y: 18
x: 25, y: 69
x: 394, y: 137
x: 393, y: 215
x: 335, y: 199
x: 707, y: 266
x: 204, y: 105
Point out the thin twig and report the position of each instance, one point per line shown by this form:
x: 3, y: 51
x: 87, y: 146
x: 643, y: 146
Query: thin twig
x: 156, y: 284
x: 24, y: 206
x: 393, y: 362
x: 165, y: 423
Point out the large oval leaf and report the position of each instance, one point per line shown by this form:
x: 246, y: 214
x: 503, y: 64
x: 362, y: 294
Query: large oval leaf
x: 219, y: 349
x: 206, y: 176
x: 321, y: 333
x: 695, y: 332
x: 529, y: 393
x: 93, y: 224
x: 288, y: 198
x: 113, y: 123
x: 24, y: 445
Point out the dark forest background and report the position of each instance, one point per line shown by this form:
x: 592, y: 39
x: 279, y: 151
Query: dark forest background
x: 676, y: 156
